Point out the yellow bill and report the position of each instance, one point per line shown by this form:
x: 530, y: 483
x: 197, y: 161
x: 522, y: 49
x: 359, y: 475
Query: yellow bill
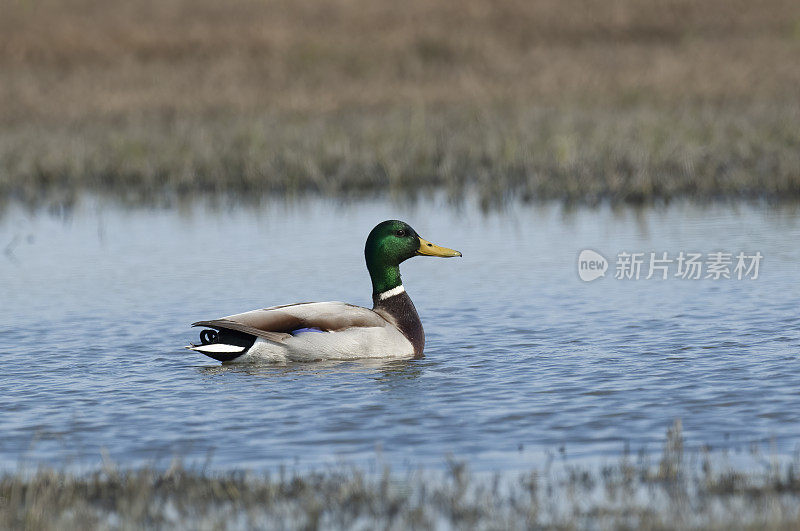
x: 430, y: 249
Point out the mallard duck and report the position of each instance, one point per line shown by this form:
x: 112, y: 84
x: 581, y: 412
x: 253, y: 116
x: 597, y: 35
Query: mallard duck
x: 312, y: 331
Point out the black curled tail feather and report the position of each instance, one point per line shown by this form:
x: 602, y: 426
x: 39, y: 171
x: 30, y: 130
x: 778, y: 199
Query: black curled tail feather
x: 208, y: 336
x: 227, y: 337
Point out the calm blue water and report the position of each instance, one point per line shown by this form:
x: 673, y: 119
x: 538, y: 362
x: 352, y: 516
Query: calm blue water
x: 523, y: 358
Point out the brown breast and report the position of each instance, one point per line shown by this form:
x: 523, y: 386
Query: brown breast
x: 402, y: 310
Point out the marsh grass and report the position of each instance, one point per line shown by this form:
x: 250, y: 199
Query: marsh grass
x: 630, y: 155
x: 682, y: 490
x: 583, y: 101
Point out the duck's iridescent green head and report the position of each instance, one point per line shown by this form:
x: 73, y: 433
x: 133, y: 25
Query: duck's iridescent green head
x: 391, y: 243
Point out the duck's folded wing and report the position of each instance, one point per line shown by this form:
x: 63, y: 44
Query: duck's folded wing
x: 277, y: 323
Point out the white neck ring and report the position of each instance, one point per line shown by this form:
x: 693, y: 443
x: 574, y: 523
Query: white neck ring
x: 391, y: 293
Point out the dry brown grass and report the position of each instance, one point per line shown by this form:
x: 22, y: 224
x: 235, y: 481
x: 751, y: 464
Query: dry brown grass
x: 226, y: 94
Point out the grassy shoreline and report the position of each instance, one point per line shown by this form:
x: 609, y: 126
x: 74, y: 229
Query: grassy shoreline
x: 631, y: 155
x: 682, y: 490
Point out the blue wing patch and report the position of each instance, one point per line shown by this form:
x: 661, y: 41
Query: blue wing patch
x: 303, y: 330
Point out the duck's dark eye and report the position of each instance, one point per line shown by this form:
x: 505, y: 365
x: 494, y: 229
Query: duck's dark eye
x: 400, y: 233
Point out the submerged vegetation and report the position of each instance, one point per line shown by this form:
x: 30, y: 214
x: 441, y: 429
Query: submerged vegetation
x: 630, y: 101
x: 680, y: 490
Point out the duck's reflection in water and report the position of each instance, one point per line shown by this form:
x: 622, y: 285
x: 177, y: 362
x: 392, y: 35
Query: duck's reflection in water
x: 382, y: 370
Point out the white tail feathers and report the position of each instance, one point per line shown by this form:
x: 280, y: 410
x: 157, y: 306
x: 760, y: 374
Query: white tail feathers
x: 217, y: 348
